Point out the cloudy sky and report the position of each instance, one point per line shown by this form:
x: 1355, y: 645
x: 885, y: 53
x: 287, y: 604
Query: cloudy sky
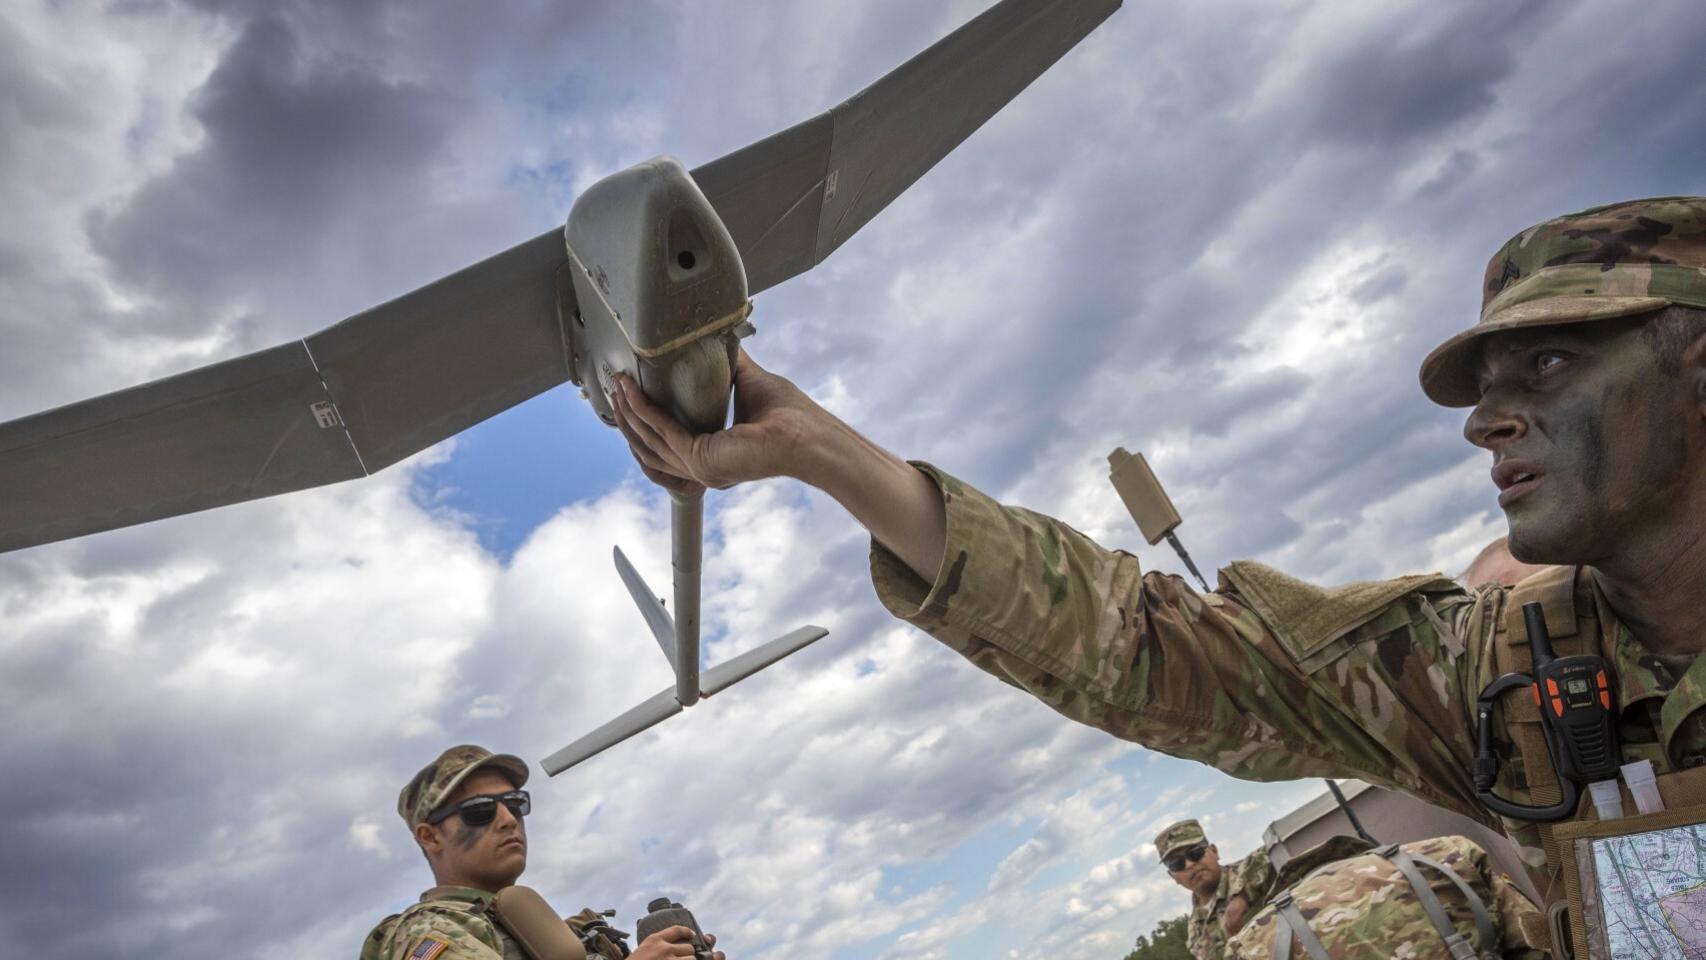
x: 1222, y: 232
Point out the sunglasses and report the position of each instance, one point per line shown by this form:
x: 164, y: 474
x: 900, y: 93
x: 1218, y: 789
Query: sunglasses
x: 1189, y: 855
x: 481, y: 810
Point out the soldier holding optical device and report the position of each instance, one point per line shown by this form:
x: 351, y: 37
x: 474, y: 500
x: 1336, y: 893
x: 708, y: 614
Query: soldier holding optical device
x: 467, y: 811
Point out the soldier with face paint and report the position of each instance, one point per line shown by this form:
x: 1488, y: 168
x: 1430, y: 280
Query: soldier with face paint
x: 467, y: 811
x: 1586, y: 376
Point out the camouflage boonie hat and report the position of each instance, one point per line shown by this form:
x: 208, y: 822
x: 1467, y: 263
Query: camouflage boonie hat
x: 440, y: 778
x: 1612, y: 261
x: 1185, y: 833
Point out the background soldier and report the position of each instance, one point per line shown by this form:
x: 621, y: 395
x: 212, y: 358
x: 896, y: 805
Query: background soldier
x: 466, y: 810
x: 1494, y: 564
x: 1587, y: 375
x: 1222, y: 896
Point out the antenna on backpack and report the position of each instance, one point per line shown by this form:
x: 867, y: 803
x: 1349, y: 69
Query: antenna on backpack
x: 1148, y: 503
x: 1351, y: 815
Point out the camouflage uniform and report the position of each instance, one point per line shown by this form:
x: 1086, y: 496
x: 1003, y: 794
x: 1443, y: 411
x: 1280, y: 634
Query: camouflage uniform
x: 459, y: 918
x: 1359, y: 909
x: 1271, y: 678
x: 1251, y: 877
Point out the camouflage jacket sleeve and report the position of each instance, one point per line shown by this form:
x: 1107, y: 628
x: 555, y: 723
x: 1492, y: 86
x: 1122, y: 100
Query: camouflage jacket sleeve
x: 1267, y: 678
x: 466, y: 936
x: 1254, y: 878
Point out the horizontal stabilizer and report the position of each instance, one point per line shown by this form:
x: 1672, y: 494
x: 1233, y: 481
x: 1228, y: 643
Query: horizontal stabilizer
x: 722, y: 676
x: 651, y: 607
x: 665, y: 705
x: 643, y: 717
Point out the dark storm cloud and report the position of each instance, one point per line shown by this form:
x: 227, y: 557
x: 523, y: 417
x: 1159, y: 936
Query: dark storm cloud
x: 291, y: 146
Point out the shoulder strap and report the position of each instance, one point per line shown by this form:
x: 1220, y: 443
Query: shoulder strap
x: 1456, y: 943
x: 1305, y: 618
x: 1291, y: 921
x: 1570, y: 623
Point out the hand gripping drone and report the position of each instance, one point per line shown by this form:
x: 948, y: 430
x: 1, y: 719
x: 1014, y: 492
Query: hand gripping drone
x: 652, y: 277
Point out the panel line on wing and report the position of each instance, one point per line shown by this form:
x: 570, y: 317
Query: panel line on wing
x: 835, y: 237
x: 790, y: 211
x: 289, y: 431
x: 342, y: 423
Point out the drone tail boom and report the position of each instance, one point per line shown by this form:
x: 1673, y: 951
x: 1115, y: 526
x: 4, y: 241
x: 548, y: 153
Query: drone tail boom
x: 683, y: 631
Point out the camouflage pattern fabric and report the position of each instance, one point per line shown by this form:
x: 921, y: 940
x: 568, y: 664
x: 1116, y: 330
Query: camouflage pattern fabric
x: 1618, y: 260
x: 1252, y: 878
x: 1379, y: 684
x: 1362, y: 908
x: 449, y: 923
x: 461, y: 918
x: 440, y: 778
x: 1185, y: 833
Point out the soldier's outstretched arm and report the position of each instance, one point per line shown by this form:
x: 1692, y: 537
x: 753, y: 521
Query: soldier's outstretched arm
x: 779, y: 431
x: 1266, y: 679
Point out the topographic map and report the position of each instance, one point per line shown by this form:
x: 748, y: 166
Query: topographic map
x: 1652, y: 893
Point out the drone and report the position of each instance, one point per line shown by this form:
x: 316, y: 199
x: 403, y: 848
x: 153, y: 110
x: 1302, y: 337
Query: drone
x: 651, y: 277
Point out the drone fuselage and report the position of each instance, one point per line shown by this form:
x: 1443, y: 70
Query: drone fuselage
x: 659, y: 292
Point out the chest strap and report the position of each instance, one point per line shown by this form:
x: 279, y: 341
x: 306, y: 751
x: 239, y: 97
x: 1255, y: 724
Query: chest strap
x: 1291, y: 920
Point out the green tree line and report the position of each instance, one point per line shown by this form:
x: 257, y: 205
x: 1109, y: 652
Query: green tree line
x: 1167, y: 942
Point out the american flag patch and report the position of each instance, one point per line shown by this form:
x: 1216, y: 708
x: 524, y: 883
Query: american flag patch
x: 429, y: 949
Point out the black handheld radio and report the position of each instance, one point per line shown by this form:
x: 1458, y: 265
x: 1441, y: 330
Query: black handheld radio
x: 1577, y: 716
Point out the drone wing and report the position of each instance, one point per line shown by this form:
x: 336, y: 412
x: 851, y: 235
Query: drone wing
x: 791, y: 199
x: 394, y: 380
x: 343, y: 403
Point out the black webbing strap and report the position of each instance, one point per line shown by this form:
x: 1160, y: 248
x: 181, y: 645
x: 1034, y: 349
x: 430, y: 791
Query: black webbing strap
x: 1291, y: 921
x: 1457, y: 943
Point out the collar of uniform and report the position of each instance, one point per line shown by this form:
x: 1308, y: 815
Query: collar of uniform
x: 1222, y: 890
x: 1680, y: 733
x: 1643, y: 677
x: 463, y: 894
x: 1640, y: 675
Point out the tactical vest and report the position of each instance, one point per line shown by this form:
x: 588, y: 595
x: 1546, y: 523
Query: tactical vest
x: 1573, y: 618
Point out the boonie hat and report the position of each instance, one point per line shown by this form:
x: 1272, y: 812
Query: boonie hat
x: 440, y: 778
x: 1618, y: 260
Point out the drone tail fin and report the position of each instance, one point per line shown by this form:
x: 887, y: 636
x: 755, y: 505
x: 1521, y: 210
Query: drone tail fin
x: 663, y: 705
x: 651, y: 606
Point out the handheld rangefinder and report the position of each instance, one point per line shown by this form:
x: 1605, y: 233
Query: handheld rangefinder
x: 664, y: 914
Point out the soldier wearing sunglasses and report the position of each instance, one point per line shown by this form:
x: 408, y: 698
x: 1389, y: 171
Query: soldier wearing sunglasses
x: 1221, y: 896
x: 467, y: 811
